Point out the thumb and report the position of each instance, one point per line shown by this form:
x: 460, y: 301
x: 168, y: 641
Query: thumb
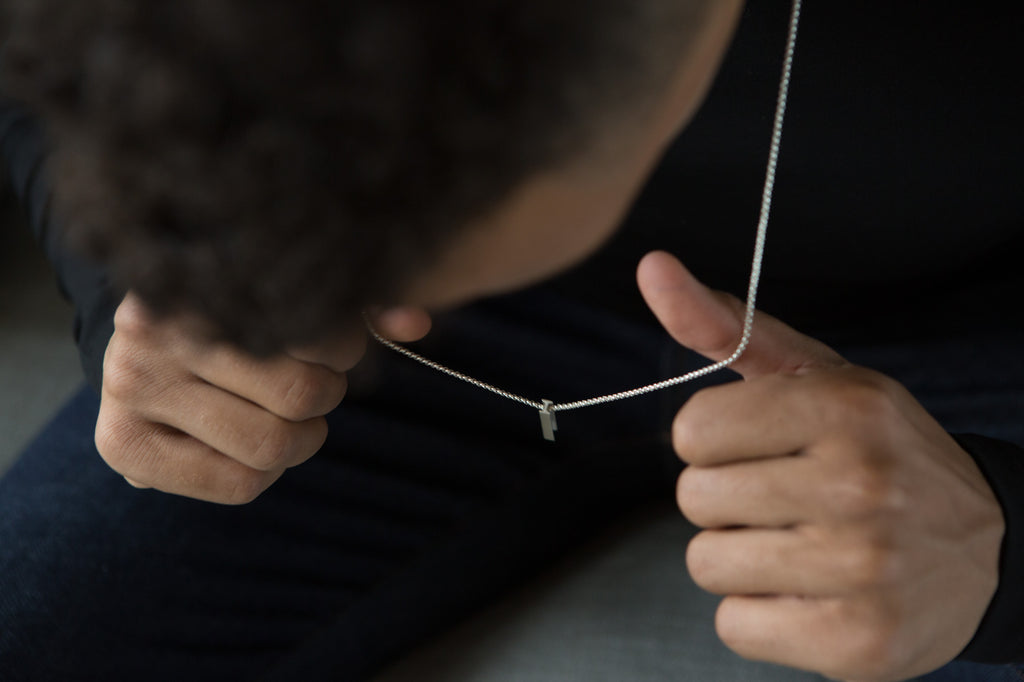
x: 402, y: 323
x: 711, y: 323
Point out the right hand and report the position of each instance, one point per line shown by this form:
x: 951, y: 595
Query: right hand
x: 209, y: 421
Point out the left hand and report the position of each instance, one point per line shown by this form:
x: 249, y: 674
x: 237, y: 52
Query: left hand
x: 848, y: 532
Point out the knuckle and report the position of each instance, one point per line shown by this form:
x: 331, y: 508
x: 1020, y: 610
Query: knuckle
x: 686, y: 430
x: 865, y: 491
x: 284, y: 444
x: 871, y: 565
x: 274, y: 447
x: 862, y: 398
x: 683, y: 494
x: 131, y: 317
x: 109, y: 439
x: 728, y: 625
x: 119, y: 439
x: 875, y: 651
x: 123, y: 375
x: 689, y: 496
x: 304, y: 396
x: 245, y: 487
x: 698, y: 560
x: 681, y: 432
x: 866, y: 638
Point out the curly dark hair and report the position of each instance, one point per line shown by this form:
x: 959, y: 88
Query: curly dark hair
x: 275, y: 165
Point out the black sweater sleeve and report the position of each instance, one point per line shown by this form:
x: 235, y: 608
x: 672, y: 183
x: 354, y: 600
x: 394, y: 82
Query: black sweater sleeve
x: 1000, y: 638
x: 84, y: 283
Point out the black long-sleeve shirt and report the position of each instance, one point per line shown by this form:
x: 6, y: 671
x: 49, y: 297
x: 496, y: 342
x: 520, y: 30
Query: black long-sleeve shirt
x: 899, y: 201
x: 85, y: 284
x: 899, y: 208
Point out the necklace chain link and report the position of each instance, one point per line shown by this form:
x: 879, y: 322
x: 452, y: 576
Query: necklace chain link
x: 546, y: 407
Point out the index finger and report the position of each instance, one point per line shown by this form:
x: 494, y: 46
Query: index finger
x: 292, y: 389
x: 770, y: 416
x: 403, y: 324
x: 340, y: 353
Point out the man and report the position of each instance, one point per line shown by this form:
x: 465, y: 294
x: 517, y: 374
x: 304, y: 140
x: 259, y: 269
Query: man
x: 849, y: 532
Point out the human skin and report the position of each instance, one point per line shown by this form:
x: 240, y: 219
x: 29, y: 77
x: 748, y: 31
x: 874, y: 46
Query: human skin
x: 846, y: 531
x: 207, y: 421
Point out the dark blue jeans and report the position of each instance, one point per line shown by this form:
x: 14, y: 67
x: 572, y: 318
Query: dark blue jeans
x: 975, y: 672
x: 429, y: 500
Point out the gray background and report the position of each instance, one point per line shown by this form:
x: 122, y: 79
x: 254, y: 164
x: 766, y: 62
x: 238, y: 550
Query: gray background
x: 38, y: 361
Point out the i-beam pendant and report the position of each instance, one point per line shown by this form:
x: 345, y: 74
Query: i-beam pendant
x: 548, y: 424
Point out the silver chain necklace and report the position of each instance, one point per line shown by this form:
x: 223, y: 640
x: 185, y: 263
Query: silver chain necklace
x: 548, y: 408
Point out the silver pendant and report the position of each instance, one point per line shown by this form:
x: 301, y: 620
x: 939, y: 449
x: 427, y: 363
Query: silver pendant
x: 548, y: 425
